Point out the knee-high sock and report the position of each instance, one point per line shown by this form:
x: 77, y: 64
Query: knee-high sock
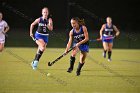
x: 72, y: 61
x: 80, y: 66
x: 105, y: 51
x: 109, y: 54
x: 38, y: 55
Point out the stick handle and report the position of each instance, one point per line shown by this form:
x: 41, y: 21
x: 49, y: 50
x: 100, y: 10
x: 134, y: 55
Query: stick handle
x: 33, y: 38
x: 98, y: 39
x: 94, y: 40
x: 109, y: 38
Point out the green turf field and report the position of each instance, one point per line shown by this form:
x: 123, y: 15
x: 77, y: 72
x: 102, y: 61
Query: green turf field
x: 122, y: 75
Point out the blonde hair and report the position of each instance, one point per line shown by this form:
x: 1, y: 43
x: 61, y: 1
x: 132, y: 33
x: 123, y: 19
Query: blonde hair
x: 108, y: 17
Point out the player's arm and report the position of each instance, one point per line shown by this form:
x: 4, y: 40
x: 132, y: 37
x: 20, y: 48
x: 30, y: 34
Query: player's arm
x: 86, y: 36
x: 50, y: 24
x: 69, y: 42
x: 6, y: 28
x: 32, y: 26
x: 117, y: 31
x: 101, y: 30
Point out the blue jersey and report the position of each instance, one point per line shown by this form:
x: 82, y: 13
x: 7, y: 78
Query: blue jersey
x: 42, y: 26
x: 108, y: 31
x: 79, y: 36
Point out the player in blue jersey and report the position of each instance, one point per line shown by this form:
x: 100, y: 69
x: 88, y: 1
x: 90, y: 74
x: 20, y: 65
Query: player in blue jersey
x: 79, y: 36
x: 45, y: 24
x: 106, y: 34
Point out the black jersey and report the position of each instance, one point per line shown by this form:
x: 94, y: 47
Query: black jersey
x: 108, y: 31
x: 42, y: 26
x: 79, y: 36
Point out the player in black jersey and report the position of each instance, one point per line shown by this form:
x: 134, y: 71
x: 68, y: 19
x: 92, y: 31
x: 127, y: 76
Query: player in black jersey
x: 45, y: 24
x: 79, y: 36
x: 105, y: 33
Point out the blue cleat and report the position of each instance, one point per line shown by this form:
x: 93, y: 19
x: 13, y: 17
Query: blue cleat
x: 34, y: 64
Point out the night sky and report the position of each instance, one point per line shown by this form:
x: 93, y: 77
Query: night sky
x: 125, y: 14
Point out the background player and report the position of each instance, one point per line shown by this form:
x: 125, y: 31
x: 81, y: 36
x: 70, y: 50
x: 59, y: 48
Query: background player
x: 3, y: 29
x: 45, y: 24
x: 80, y: 35
x: 107, y: 32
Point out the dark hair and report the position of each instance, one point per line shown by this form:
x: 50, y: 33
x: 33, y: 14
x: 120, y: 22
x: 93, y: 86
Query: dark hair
x: 80, y: 21
x: 46, y: 8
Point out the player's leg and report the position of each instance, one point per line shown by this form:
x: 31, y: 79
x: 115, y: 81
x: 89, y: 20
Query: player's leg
x: 105, y: 47
x: 1, y: 46
x: 41, y: 41
x: 41, y: 48
x: 72, y: 59
x: 81, y: 63
x: 2, y: 42
x: 110, y: 45
x: 84, y: 50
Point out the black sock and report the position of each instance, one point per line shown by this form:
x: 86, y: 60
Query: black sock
x: 72, y: 61
x: 80, y: 66
x: 38, y: 55
x: 109, y: 54
x: 105, y: 51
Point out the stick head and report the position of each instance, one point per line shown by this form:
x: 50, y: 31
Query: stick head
x: 49, y: 64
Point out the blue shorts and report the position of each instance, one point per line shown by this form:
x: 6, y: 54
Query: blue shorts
x: 44, y: 37
x: 107, y: 40
x: 83, y: 47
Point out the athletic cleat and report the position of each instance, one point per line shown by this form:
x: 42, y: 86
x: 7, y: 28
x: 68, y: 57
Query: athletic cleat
x: 69, y: 70
x: 109, y: 60
x: 34, y: 64
x: 78, y: 73
x: 104, y: 55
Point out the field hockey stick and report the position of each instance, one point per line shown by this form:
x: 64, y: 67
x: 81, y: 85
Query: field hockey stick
x: 33, y: 38
x: 94, y: 40
x: 98, y: 39
x: 51, y: 63
x: 110, y: 37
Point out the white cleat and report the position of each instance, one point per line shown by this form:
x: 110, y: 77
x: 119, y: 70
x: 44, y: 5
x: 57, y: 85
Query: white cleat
x: 34, y: 64
x: 109, y: 60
